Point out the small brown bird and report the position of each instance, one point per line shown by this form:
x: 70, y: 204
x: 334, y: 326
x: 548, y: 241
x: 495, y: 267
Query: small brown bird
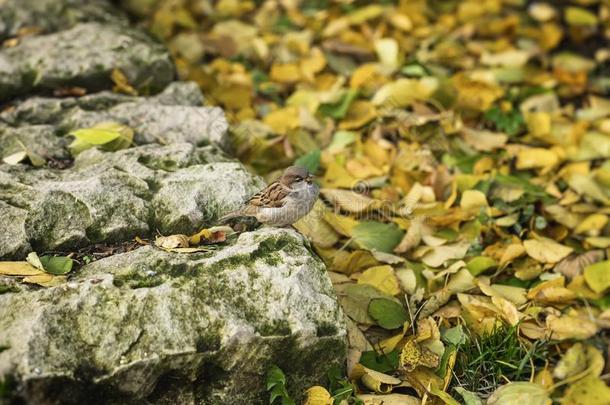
x: 282, y: 202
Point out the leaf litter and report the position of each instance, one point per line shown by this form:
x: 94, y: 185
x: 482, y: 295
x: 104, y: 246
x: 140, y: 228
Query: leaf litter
x: 462, y: 148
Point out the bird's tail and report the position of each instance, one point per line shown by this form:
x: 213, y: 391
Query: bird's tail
x: 225, y: 218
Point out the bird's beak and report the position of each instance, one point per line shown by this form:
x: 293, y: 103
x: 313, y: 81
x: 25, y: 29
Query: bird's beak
x: 310, y: 178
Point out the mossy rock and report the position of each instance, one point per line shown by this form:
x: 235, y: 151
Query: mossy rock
x: 149, y: 325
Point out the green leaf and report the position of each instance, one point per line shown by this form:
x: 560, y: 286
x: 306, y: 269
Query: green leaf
x: 443, y: 364
x: 470, y: 398
x: 388, y: 314
x: 355, y: 300
x: 276, y: 385
x: 310, y: 161
x: 109, y: 136
x: 372, y: 235
x: 454, y: 336
x: 480, y: 264
x: 339, y: 109
x: 56, y: 264
x: 384, y: 363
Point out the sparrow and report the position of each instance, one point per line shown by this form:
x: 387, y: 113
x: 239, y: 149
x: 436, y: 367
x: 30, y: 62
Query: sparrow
x: 282, y: 202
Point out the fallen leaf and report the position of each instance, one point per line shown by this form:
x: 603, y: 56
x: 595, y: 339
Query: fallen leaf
x: 381, y: 277
x: 520, y: 393
x: 19, y: 269
x: 546, y: 250
x: 597, y: 276
x: 388, y: 314
x: 374, y: 235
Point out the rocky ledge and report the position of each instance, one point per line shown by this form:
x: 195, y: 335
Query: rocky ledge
x: 191, y: 329
x: 146, y: 326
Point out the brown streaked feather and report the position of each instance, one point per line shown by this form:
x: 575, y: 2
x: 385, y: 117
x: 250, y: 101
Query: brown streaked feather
x: 271, y: 196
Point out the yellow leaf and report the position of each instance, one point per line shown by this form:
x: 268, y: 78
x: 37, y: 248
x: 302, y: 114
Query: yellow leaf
x: 552, y: 292
x: 592, y: 224
x: 337, y: 176
x: 283, y: 120
x: 413, y: 355
x: 317, y: 396
x: 512, y: 251
x: 340, y: 223
x: 315, y: 228
x: 121, y: 83
x: 39, y: 279
x: 403, y: 92
x: 312, y: 64
x: 440, y: 254
x: 476, y: 94
x: 360, y: 113
x: 546, y: 250
x: 520, y: 392
x: 507, y: 309
x: 387, y: 52
x: 349, y: 263
x: 285, y: 72
x: 389, y: 399
x: 591, y: 390
x: 473, y: 199
x: 544, y: 378
x: 538, y: 123
x: 597, y: 276
x: 348, y: 200
x: 577, y: 359
x: 387, y: 345
x: 363, y: 168
x: 378, y: 382
x: 400, y: 21
x: 382, y: 277
x: 364, y: 75
x: 172, y: 241
x: 570, y: 327
x: 532, y: 158
x: 19, y: 269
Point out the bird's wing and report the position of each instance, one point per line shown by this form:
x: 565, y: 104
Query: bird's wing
x: 272, y: 196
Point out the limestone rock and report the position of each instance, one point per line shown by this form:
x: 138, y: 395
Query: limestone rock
x: 154, y: 326
x: 67, y: 58
x: 53, y: 15
x: 175, y: 115
x: 113, y: 197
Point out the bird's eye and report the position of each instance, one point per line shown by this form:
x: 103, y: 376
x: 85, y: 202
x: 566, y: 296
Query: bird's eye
x: 298, y: 178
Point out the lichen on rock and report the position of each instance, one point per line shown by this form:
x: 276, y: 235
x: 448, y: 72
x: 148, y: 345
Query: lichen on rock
x: 124, y: 324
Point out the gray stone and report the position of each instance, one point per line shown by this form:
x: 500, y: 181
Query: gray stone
x: 53, y: 15
x: 114, y: 196
x: 175, y: 115
x: 84, y: 55
x: 13, y: 239
x: 40, y: 139
x: 149, y: 326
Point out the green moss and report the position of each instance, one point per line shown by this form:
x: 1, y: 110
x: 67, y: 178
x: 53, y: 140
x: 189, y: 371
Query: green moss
x: 278, y: 327
x: 8, y: 289
x: 326, y: 329
x: 138, y: 281
x: 268, y: 250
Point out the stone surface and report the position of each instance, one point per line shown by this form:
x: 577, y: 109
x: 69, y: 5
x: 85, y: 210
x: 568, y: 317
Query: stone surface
x: 166, y: 327
x: 147, y: 326
x: 53, y: 15
x: 115, y: 196
x: 175, y: 115
x: 67, y: 58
